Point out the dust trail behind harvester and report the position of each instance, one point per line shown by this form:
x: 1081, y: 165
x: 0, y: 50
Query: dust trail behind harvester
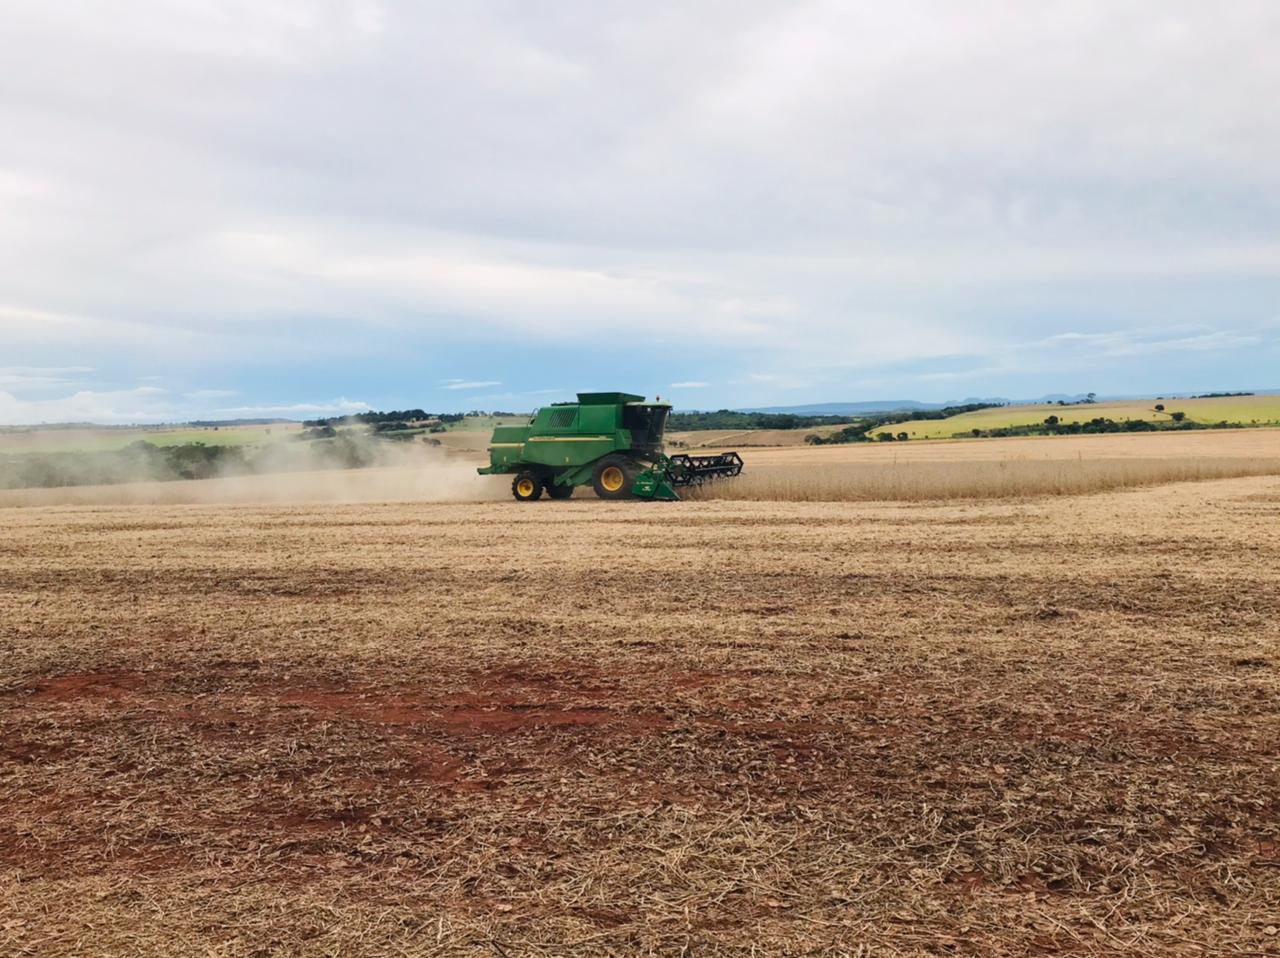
x: 398, y: 473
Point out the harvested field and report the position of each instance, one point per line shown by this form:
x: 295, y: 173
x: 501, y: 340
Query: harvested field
x: 582, y: 728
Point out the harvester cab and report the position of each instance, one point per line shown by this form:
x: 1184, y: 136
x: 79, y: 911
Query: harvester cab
x: 609, y: 441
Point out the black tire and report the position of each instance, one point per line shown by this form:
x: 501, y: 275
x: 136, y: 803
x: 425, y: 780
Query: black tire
x: 556, y: 491
x: 526, y: 487
x: 605, y: 479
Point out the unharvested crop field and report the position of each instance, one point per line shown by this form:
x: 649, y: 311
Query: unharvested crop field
x: 999, y: 468
x: 1206, y: 444
x: 919, y: 481
x: 1026, y: 726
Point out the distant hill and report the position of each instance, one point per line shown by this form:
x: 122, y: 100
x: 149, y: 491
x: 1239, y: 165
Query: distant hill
x: 237, y: 422
x: 907, y: 405
x: 870, y: 406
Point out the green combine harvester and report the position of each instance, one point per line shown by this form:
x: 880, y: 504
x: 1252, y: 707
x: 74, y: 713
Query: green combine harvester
x: 610, y: 441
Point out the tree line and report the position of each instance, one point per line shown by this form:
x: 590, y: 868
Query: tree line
x: 402, y: 416
x: 1053, y: 426
x: 873, y: 429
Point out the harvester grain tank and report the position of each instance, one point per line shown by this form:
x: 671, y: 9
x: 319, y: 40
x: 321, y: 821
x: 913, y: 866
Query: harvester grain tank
x: 609, y: 441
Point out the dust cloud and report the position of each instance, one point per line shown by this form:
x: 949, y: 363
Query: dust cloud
x: 395, y: 473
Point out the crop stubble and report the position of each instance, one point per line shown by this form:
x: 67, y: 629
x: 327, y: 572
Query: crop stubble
x: 587, y: 728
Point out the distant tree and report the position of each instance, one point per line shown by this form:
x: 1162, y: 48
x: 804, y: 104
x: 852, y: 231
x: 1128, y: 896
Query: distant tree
x: 1159, y: 407
x: 976, y: 433
x: 1091, y: 398
x: 1177, y: 416
x: 903, y: 437
x: 1051, y: 420
x: 884, y: 437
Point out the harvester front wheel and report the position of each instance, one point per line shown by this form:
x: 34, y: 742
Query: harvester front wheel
x: 557, y: 491
x: 526, y: 487
x: 613, y: 477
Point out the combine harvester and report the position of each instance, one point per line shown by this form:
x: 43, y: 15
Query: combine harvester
x: 611, y: 441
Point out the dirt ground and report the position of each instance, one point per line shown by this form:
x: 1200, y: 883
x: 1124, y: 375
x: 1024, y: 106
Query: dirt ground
x: 585, y: 728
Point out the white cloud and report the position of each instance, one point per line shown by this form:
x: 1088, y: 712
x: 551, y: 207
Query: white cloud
x: 332, y: 407
x: 210, y: 393
x: 1077, y: 353
x: 40, y: 377
x: 151, y: 404
x: 368, y: 17
x: 1147, y: 342
x: 141, y: 405
x: 689, y: 385
x: 826, y: 187
x: 38, y: 371
x: 470, y: 384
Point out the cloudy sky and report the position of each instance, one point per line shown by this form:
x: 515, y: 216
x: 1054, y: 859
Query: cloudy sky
x: 274, y: 207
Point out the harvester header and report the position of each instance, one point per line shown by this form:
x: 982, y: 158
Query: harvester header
x: 611, y: 441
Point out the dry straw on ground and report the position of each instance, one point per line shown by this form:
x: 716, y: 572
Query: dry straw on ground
x: 583, y: 728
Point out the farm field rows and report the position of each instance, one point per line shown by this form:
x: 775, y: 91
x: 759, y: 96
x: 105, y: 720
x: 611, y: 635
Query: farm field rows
x: 1247, y: 410
x: 584, y: 728
x: 1000, y: 468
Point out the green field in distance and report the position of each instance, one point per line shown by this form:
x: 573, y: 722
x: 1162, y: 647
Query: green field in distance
x: 106, y: 439
x: 1246, y: 410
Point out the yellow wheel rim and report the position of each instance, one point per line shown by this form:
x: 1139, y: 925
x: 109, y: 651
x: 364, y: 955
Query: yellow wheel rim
x: 525, y: 487
x: 612, y: 479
